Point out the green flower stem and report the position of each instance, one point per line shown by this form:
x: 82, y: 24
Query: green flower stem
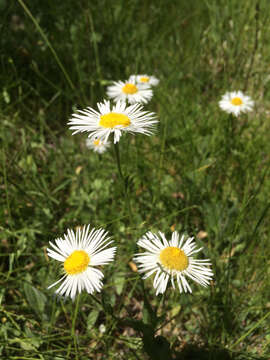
x: 73, y: 328
x: 232, y: 125
x: 117, y: 155
x: 229, y: 130
x: 124, y: 181
x: 162, y: 301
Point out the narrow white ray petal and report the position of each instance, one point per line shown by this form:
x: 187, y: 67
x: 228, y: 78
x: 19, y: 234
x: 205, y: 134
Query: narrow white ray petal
x: 179, y: 282
x: 64, y: 287
x: 57, y: 282
x: 103, y: 257
x: 55, y: 255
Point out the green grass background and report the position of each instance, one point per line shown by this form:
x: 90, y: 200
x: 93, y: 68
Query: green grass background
x: 198, y: 173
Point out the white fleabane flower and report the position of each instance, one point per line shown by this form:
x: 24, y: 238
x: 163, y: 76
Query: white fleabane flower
x: 144, y: 79
x: 116, y: 120
x: 80, y: 253
x: 236, y: 102
x: 130, y: 91
x: 97, y: 145
x: 172, y: 260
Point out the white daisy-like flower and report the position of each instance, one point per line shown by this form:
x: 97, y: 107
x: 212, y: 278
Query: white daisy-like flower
x: 170, y: 260
x: 97, y: 145
x: 144, y: 79
x: 80, y: 253
x: 130, y: 91
x: 236, y: 102
x: 120, y: 118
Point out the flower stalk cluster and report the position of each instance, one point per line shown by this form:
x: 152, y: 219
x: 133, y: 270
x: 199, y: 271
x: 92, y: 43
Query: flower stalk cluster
x: 83, y: 252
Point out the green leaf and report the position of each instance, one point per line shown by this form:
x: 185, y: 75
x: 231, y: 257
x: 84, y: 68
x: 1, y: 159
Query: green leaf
x: 92, y: 318
x: 119, y: 284
x: 175, y: 310
x: 36, y: 300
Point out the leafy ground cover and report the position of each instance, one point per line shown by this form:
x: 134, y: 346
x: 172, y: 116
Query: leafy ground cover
x: 199, y: 174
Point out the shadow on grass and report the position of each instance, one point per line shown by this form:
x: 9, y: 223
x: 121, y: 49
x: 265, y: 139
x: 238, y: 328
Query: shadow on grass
x: 162, y: 351
x: 191, y: 352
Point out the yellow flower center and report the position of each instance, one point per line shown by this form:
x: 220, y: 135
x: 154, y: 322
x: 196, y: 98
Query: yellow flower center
x: 173, y: 258
x: 144, y: 79
x: 97, y: 142
x: 237, y: 101
x: 113, y: 119
x: 77, y: 262
x: 130, y: 89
